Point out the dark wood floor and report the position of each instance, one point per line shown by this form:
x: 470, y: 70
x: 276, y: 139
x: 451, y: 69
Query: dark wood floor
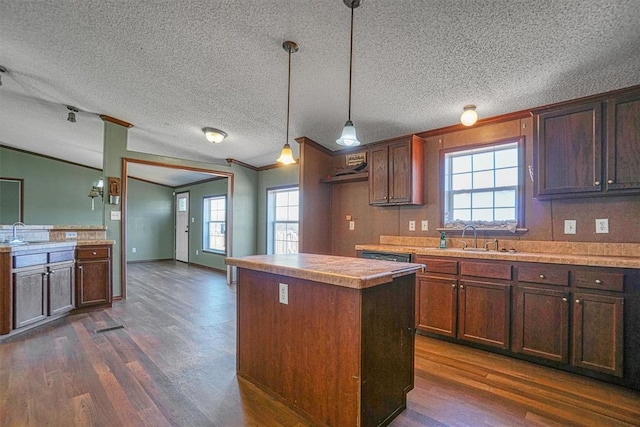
x: 173, y: 364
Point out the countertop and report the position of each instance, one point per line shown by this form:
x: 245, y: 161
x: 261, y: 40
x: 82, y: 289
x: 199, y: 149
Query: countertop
x: 51, y: 244
x: 550, y: 258
x: 357, y: 273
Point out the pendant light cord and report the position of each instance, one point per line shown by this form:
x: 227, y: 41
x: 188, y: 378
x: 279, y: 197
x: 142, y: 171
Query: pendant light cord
x: 350, y: 61
x: 288, y: 94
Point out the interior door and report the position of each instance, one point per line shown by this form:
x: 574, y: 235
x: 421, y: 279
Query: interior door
x: 182, y: 227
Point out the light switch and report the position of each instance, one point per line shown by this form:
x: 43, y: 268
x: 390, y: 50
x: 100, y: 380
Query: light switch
x: 284, y: 293
x: 424, y: 225
x: 352, y: 225
x: 569, y: 226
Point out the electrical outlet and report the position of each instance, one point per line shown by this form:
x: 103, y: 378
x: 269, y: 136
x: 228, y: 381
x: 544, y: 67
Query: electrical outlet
x: 134, y: 250
x: 602, y: 225
x: 197, y: 252
x: 116, y: 216
x: 424, y: 225
x: 70, y: 235
x: 412, y: 226
x: 284, y: 293
x: 569, y: 226
x: 352, y: 225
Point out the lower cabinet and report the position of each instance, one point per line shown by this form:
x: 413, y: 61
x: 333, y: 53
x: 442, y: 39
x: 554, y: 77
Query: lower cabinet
x: 573, y: 316
x: 93, y: 282
x: 42, y: 291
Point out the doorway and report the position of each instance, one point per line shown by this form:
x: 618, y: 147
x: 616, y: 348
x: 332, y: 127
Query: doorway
x: 182, y: 227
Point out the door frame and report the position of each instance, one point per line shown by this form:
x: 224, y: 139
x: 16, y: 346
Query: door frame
x: 175, y: 201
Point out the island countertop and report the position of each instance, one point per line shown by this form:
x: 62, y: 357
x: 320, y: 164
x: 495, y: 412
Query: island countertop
x: 349, y: 272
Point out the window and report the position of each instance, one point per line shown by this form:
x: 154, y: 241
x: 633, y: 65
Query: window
x: 215, y: 224
x: 283, y: 211
x: 483, y: 186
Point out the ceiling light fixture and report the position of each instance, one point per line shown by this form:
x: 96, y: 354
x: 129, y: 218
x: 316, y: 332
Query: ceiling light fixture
x: 348, y: 137
x: 71, y: 117
x: 286, y: 155
x: 469, y: 117
x: 2, y: 70
x: 214, y: 135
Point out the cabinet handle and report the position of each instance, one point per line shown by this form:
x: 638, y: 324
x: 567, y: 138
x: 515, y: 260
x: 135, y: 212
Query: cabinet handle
x: 79, y: 267
x: 52, y: 272
x: 453, y: 285
x: 577, y: 301
x: 461, y: 286
x: 596, y: 183
x: 542, y: 276
x: 94, y: 253
x: 610, y: 181
x: 598, y: 282
x: 564, y: 299
x: 45, y: 274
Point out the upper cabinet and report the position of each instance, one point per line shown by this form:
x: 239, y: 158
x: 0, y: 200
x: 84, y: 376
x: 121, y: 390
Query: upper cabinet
x: 396, y: 172
x: 588, y: 148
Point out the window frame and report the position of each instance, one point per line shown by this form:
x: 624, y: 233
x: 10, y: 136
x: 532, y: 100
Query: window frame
x: 271, y: 221
x: 206, y: 221
x: 520, y: 192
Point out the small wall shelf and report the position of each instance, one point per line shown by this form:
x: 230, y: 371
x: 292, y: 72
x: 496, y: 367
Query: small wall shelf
x: 353, y: 177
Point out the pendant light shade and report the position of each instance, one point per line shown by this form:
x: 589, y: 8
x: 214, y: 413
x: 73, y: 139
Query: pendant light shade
x: 286, y: 155
x: 348, y: 137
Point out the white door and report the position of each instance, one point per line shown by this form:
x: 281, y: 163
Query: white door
x: 182, y: 227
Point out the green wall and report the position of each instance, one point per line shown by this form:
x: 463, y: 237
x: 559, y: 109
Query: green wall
x: 55, y: 192
x: 150, y: 221
x: 271, y: 178
x: 196, y: 194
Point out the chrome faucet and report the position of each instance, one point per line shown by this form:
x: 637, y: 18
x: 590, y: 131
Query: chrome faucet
x: 14, y: 236
x: 475, y: 236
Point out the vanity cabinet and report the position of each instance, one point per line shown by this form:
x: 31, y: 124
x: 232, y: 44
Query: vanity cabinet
x: 93, y: 271
x: 43, y: 285
x: 588, y: 148
x: 396, y: 172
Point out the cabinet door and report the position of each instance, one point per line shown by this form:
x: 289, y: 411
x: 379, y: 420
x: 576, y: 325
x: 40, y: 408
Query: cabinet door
x: 541, y: 323
x: 623, y: 143
x: 61, y: 285
x: 436, y: 305
x: 597, y: 333
x: 379, y: 175
x: 400, y: 180
x: 30, y: 296
x: 568, y: 150
x: 483, y: 313
x: 93, y: 282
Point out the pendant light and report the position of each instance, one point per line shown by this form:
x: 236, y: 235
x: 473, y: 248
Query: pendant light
x: 286, y: 156
x: 348, y: 137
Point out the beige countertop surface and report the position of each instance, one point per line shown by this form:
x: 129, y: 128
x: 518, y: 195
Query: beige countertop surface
x: 356, y: 273
x: 550, y: 258
x: 51, y: 244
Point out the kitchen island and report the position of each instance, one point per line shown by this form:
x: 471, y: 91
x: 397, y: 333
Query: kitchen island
x: 333, y: 337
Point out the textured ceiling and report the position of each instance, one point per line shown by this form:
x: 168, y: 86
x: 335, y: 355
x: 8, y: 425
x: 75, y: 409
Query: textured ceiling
x: 172, y: 67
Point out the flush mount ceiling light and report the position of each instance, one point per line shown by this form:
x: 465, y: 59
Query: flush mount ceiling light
x: 286, y: 155
x: 469, y: 117
x: 348, y: 137
x: 214, y: 135
x: 2, y: 70
x: 71, y: 117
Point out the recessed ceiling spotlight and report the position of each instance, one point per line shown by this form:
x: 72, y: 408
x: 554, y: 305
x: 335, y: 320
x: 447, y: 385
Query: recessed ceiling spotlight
x: 214, y: 135
x: 469, y: 117
x: 71, y: 117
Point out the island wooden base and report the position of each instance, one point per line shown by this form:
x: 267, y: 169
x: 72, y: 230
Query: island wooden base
x: 341, y: 356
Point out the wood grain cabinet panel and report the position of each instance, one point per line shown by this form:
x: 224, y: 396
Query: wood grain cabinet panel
x: 437, y: 305
x: 396, y: 172
x: 484, y: 310
x: 598, y: 333
x: 93, y: 276
x: 541, y: 323
x: 623, y: 143
x: 61, y: 285
x: 30, y: 296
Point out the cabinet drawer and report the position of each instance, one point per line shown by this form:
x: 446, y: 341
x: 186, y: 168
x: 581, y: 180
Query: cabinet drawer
x: 486, y: 270
x: 598, y: 280
x: 92, y: 253
x: 29, y: 260
x: 544, y: 274
x: 442, y: 266
x: 61, y: 256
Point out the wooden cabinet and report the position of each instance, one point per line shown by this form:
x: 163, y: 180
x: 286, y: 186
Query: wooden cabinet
x: 42, y: 290
x: 396, y: 172
x: 484, y: 313
x: 588, y: 148
x: 93, y: 276
x: 437, y: 305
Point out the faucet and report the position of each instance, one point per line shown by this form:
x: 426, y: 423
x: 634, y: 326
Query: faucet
x: 475, y: 235
x: 14, y: 236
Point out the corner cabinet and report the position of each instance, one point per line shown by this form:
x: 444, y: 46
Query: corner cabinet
x: 93, y: 276
x: 396, y: 172
x: 588, y: 148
